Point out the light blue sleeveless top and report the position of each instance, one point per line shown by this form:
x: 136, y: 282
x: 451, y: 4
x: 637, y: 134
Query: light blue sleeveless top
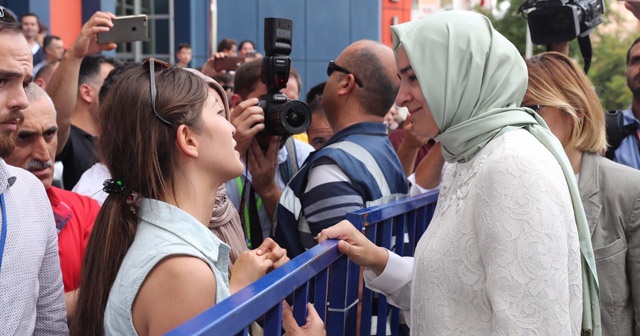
x: 164, y: 230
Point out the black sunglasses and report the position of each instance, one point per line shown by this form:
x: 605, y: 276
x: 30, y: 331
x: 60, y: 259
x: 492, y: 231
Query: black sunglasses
x: 334, y: 67
x: 151, y: 63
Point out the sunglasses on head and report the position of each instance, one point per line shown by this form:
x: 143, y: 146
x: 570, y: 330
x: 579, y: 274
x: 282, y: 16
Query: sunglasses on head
x: 152, y: 63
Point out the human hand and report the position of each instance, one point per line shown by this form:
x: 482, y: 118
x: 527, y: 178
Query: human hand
x: 411, y: 138
x: 87, y: 41
x: 248, y: 119
x: 313, y: 327
x: 356, y: 246
x: 263, y: 166
x: 248, y: 268
x: 209, y: 67
x: 634, y: 7
x: 271, y: 250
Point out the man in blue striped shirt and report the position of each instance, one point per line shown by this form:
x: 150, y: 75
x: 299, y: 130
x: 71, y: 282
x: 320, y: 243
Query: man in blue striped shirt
x: 358, y: 167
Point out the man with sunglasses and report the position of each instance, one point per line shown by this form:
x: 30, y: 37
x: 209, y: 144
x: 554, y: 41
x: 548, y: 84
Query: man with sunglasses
x: 30, y: 279
x: 357, y: 167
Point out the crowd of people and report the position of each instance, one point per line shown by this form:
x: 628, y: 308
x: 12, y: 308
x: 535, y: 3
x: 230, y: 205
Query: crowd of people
x: 173, y: 196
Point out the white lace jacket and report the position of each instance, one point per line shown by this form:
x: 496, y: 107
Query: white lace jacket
x: 501, y: 255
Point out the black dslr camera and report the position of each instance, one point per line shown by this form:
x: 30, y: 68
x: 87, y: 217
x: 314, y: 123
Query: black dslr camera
x: 553, y: 21
x: 282, y: 116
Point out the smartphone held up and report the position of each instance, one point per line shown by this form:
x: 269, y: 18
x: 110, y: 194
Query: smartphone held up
x: 126, y: 29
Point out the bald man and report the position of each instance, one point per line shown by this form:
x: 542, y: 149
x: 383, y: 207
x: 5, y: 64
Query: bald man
x: 357, y: 167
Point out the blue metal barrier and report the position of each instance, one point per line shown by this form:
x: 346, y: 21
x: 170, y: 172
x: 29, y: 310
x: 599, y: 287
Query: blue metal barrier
x: 336, y: 282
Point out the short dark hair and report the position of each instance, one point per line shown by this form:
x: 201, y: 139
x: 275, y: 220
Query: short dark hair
x: 226, y: 44
x: 46, y: 70
x: 247, y: 77
x: 315, y: 93
x: 112, y: 77
x: 293, y: 73
x: 379, y: 91
x: 30, y: 14
x: 249, y: 74
x: 48, y: 39
x: 631, y: 47
x: 225, y: 78
x: 184, y: 46
x: 90, y: 67
x: 8, y: 21
x: 42, y: 27
x: 241, y: 44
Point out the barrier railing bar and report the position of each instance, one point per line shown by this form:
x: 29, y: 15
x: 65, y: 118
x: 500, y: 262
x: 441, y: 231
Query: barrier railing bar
x: 273, y: 287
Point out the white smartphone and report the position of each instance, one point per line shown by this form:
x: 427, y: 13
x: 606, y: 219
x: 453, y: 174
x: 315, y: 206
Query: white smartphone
x: 126, y: 29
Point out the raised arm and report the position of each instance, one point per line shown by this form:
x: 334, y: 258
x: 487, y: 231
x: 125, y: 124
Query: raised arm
x: 63, y: 88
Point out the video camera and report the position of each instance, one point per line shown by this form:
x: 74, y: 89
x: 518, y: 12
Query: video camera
x: 553, y: 21
x: 282, y: 116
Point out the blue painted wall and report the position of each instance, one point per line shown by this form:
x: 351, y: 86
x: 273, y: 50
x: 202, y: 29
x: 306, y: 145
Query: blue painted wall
x: 38, y: 7
x: 321, y: 28
x: 192, y: 26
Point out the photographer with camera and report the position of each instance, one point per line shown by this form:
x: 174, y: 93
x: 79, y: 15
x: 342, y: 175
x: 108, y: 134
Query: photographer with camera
x: 270, y: 161
x: 556, y: 22
x: 357, y: 167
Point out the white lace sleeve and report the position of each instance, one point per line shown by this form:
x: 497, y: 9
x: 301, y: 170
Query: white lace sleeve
x: 394, y: 282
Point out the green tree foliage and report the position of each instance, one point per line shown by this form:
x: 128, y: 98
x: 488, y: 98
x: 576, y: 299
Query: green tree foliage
x: 608, y: 65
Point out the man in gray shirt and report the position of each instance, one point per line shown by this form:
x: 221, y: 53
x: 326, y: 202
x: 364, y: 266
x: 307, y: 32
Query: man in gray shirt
x: 31, y: 291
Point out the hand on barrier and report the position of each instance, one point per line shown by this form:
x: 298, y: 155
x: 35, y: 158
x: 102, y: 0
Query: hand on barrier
x: 356, y: 246
x: 313, y: 327
x: 272, y: 251
x: 248, y: 268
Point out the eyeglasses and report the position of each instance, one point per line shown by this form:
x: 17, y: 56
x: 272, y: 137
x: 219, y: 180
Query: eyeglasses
x: 151, y: 63
x: 535, y: 108
x: 333, y: 67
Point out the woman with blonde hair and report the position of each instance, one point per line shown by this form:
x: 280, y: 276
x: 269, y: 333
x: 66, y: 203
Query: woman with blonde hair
x: 561, y: 93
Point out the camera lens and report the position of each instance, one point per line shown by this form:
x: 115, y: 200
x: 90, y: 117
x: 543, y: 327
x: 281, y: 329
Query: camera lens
x: 295, y: 118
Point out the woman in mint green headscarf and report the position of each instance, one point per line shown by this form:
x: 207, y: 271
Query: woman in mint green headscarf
x: 508, y: 249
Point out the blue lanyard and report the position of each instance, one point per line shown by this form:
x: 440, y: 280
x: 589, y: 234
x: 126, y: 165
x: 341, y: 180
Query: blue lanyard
x: 3, y: 235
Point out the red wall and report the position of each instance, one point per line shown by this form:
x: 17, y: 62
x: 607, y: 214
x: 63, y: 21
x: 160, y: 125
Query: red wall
x: 66, y: 19
x: 398, y: 11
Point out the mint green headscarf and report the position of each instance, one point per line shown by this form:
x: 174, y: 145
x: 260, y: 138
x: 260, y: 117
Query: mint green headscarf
x: 473, y: 80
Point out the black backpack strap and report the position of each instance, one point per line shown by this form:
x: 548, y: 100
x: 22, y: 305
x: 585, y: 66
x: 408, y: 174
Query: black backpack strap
x: 617, y: 131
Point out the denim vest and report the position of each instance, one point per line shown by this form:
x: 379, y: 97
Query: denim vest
x: 164, y: 230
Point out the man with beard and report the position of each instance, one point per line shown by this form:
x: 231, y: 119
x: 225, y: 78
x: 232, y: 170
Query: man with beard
x: 628, y: 153
x: 30, y: 278
x: 74, y: 214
